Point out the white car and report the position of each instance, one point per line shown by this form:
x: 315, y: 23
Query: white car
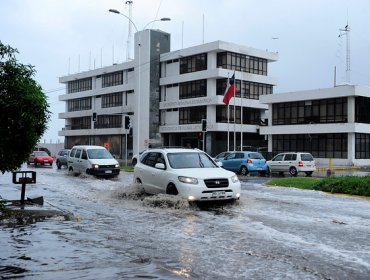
x: 190, y: 173
x: 292, y: 163
x: 94, y: 160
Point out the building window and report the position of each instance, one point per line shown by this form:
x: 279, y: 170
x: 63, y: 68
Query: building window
x: 244, y: 89
x: 81, y: 123
x: 332, y: 110
x: 111, y: 100
x: 80, y: 85
x: 191, y: 115
x: 362, y: 109
x: 250, y: 115
x: 193, y: 89
x: 112, y: 79
x: 243, y: 63
x: 332, y: 145
x: 193, y: 63
x: 79, y: 104
x: 108, y: 121
x: 362, y: 146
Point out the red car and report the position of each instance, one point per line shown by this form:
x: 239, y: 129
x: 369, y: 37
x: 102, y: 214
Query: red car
x: 40, y: 157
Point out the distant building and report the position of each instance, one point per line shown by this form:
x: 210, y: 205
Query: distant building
x: 167, y: 94
x: 332, y: 123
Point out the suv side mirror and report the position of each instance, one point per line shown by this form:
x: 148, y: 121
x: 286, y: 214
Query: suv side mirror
x: 160, y: 166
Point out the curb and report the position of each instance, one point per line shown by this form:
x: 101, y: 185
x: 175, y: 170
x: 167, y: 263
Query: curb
x: 338, y: 168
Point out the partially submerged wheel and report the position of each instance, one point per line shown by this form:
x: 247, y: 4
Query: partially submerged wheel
x: 59, y: 166
x: 172, y: 190
x: 308, y: 173
x: 293, y: 171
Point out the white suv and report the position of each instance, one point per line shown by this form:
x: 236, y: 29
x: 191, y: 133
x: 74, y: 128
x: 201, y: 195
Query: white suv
x: 292, y: 163
x: 190, y: 173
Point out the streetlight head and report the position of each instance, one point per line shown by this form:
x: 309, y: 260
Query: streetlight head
x: 114, y: 11
x: 165, y: 19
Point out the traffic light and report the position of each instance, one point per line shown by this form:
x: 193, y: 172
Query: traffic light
x: 127, y: 122
x: 94, y: 117
x: 204, y: 125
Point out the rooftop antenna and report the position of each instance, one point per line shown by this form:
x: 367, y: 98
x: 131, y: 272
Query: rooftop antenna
x: 346, y: 32
x: 129, y: 37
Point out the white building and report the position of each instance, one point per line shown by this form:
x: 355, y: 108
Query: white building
x: 332, y: 123
x: 97, y: 101
x: 193, y: 84
x: 167, y: 94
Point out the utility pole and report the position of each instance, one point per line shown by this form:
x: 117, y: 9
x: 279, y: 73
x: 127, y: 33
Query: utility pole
x: 129, y: 37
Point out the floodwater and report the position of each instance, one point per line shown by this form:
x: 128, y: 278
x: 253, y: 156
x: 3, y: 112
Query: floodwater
x: 119, y: 233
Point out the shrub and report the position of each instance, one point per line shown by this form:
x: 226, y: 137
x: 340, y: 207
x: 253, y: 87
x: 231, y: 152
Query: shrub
x: 355, y: 185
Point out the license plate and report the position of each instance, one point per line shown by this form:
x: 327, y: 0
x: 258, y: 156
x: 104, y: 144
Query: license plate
x: 219, y: 193
x: 46, y: 161
x: 259, y: 168
x: 108, y: 171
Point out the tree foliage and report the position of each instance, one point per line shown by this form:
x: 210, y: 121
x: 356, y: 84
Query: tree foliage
x: 23, y: 110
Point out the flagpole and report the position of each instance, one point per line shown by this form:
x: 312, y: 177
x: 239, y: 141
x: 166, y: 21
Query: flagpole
x: 228, y: 127
x: 234, y: 113
x: 228, y: 118
x: 241, y: 119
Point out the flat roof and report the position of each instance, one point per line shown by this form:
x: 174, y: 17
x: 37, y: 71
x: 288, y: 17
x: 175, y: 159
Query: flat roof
x: 334, y: 92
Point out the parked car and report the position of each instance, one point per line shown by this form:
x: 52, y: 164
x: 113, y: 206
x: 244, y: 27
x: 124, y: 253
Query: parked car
x: 245, y: 162
x: 292, y: 163
x: 94, y: 160
x: 221, y: 156
x: 136, y: 157
x: 61, y: 159
x: 189, y: 173
x: 41, y: 158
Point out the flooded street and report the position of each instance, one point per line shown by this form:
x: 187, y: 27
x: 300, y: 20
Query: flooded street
x: 118, y: 233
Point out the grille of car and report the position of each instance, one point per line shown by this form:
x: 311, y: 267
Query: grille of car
x: 216, y: 183
x: 107, y: 166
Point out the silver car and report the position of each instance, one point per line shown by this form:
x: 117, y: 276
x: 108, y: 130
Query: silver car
x: 293, y: 163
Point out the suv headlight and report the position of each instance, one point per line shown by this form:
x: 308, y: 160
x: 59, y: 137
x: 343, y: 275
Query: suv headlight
x: 96, y: 166
x: 117, y: 165
x: 188, y: 180
x: 235, y: 179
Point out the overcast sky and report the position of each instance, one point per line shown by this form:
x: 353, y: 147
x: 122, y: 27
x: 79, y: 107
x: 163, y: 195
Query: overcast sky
x: 68, y: 36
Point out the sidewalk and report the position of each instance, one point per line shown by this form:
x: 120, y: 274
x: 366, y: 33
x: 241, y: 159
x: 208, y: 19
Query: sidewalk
x: 323, y: 171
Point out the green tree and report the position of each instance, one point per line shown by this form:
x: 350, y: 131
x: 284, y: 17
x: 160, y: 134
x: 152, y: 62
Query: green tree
x: 23, y: 110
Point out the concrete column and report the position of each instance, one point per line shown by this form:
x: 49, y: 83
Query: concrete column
x: 351, y: 109
x: 351, y: 147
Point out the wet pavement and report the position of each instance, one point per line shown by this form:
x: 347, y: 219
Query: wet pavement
x: 120, y: 233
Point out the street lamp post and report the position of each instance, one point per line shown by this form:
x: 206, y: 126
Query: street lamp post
x: 139, y: 68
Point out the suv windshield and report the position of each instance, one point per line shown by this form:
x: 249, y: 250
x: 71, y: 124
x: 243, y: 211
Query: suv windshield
x: 98, y: 154
x: 190, y: 160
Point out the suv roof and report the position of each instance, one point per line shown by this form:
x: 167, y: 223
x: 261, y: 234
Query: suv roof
x: 88, y: 147
x: 175, y: 150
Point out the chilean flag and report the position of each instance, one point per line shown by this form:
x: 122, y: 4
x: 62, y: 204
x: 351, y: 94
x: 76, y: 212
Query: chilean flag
x: 230, y: 90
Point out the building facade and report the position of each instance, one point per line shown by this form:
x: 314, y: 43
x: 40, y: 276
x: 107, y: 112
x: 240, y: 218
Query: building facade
x: 193, y: 83
x: 97, y: 101
x: 332, y: 123
x: 167, y: 95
